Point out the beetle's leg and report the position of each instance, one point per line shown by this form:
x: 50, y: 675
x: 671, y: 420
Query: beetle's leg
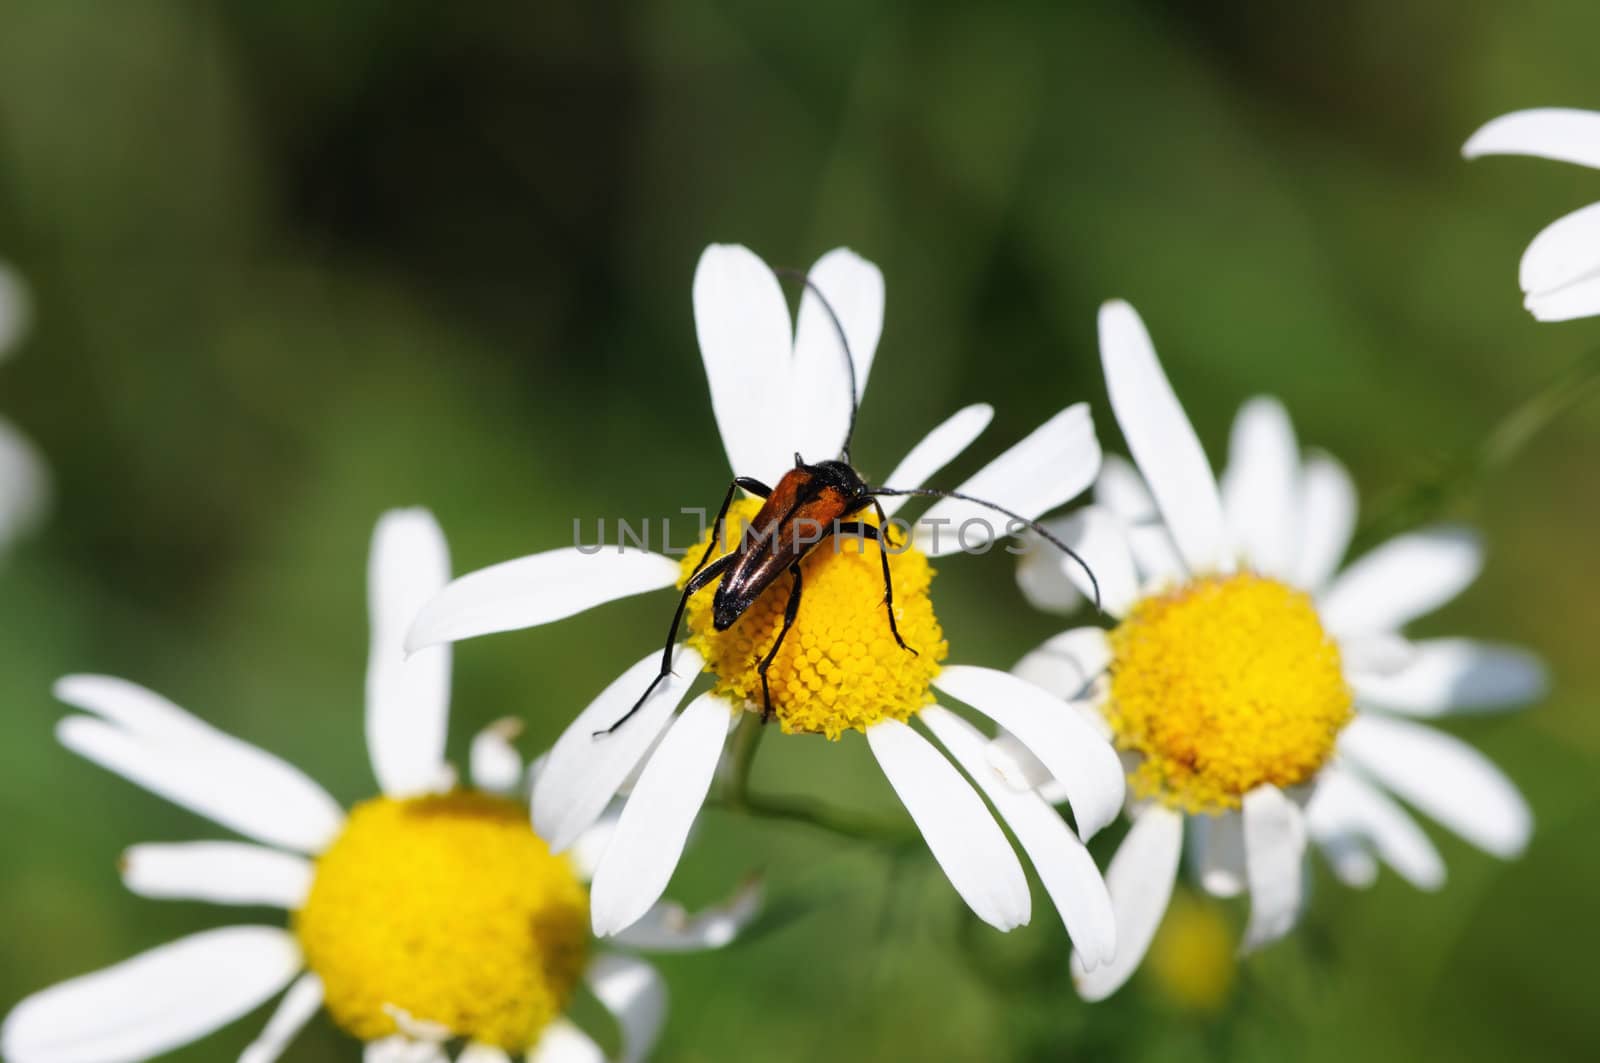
x: 790, y: 611
x: 875, y: 533
x: 698, y: 582
x: 750, y: 484
x: 699, y: 579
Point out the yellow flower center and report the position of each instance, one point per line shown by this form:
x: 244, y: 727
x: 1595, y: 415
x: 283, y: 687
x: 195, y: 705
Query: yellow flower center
x: 450, y: 909
x: 839, y: 667
x: 1222, y: 685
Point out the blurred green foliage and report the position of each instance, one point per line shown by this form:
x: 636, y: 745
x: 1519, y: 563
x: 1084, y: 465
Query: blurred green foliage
x: 295, y: 263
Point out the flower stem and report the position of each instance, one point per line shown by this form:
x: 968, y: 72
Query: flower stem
x: 1427, y: 499
x: 736, y: 796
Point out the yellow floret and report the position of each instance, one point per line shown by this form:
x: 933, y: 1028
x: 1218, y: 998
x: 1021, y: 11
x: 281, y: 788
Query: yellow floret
x: 448, y: 908
x: 1222, y: 685
x: 839, y: 667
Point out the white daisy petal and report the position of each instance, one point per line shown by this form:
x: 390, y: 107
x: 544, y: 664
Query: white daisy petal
x: 132, y: 707
x: 1376, y: 655
x: 1162, y: 440
x: 1216, y: 852
x: 24, y: 484
x: 218, y: 873
x: 956, y: 825
x: 742, y: 320
x: 1017, y: 765
x: 477, y: 1052
x: 1258, y: 486
x: 408, y: 697
x: 1140, y: 879
x: 590, y: 847
x: 415, y: 1029
x: 1351, y: 861
x: 1098, y: 537
x: 1080, y: 758
x: 496, y: 764
x: 635, y: 995
x: 296, y: 1008
x: 1056, y: 462
x: 258, y: 796
x: 1042, y: 572
x: 538, y: 589
x: 1565, y: 251
x: 821, y: 393
x: 1347, y: 809
x: 583, y: 770
x: 655, y: 823
x: 1579, y: 299
x: 1325, y: 521
x: 1443, y: 777
x: 1021, y: 770
x: 562, y: 1042
x: 1121, y: 489
x: 936, y: 450
x: 152, y: 742
x: 1559, y: 133
x: 1067, y: 664
x: 1455, y: 675
x: 1156, y: 556
x: 154, y: 1002
x: 1065, y: 867
x: 667, y: 927
x: 399, y: 1049
x: 1409, y: 576
x: 1274, y: 857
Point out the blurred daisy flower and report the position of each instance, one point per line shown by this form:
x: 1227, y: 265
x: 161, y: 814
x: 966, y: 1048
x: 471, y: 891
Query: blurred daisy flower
x: 1560, y: 272
x: 24, y: 482
x: 778, y: 389
x: 1262, y: 697
x: 428, y: 916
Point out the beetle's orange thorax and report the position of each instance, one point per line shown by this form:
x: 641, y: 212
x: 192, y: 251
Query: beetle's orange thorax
x: 797, y: 500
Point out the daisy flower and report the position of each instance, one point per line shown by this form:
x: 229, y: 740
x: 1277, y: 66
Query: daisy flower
x: 1260, y: 696
x: 24, y: 485
x: 1560, y: 273
x: 776, y: 391
x: 429, y: 915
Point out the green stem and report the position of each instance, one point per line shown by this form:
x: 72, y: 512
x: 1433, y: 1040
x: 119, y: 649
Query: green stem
x: 737, y: 797
x: 1433, y: 495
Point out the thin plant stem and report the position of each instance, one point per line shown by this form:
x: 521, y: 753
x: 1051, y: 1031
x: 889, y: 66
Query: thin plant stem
x: 1430, y: 497
x: 736, y: 796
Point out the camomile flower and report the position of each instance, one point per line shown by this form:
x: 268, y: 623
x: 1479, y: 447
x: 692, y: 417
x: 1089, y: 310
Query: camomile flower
x: 427, y: 916
x: 1560, y: 272
x: 779, y: 393
x: 24, y: 483
x: 1260, y: 696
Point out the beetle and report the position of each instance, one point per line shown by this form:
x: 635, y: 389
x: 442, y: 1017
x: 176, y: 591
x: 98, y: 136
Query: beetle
x: 820, y: 497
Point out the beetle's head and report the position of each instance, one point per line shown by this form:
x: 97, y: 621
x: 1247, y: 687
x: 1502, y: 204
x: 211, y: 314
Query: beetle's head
x: 725, y: 609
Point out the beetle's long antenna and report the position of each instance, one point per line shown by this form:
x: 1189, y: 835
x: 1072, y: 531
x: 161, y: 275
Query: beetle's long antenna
x: 1044, y: 533
x: 844, y: 344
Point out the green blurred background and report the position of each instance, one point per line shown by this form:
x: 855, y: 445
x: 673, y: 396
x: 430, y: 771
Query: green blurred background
x: 295, y: 263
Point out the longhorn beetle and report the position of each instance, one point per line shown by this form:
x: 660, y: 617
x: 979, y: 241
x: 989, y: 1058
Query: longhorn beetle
x: 822, y: 496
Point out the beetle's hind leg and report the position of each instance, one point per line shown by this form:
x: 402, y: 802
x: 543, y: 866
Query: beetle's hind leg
x: 703, y: 576
x: 701, y: 580
x: 790, y: 611
x: 876, y: 534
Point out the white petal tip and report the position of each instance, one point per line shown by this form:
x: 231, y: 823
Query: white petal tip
x: 1007, y: 922
x: 1091, y: 989
x: 607, y: 923
x: 63, y: 689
